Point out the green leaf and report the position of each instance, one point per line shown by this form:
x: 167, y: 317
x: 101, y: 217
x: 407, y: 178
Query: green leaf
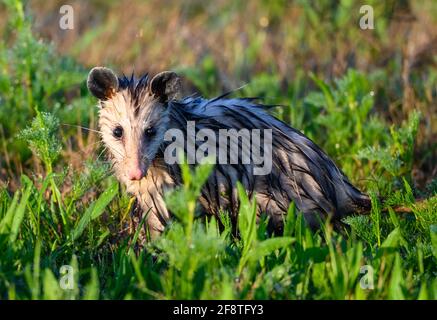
x: 290, y: 220
x: 393, y: 239
x: 20, y: 211
x: 5, y: 223
x: 246, y: 217
x: 268, y: 246
x: 92, y: 288
x: 95, y: 210
x: 52, y: 290
x: 433, y: 235
x: 394, y: 219
x: 396, y: 281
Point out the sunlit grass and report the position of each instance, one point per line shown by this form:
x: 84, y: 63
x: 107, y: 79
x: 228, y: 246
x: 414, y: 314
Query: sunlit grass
x: 64, y: 208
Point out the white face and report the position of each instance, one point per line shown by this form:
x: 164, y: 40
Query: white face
x: 132, y: 132
x: 133, y: 117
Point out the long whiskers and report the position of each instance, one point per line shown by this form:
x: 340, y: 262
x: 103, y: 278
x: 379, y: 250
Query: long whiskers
x: 103, y: 151
x: 117, y: 152
x: 90, y: 145
x: 81, y: 127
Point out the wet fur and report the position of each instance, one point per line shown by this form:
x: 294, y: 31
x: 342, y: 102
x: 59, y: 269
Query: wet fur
x: 301, y: 171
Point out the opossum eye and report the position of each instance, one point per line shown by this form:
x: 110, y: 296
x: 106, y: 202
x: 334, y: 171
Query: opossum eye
x: 118, y: 132
x: 150, y: 131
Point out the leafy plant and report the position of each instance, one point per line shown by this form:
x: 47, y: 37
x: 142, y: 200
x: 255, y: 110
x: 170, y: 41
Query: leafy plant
x: 68, y: 212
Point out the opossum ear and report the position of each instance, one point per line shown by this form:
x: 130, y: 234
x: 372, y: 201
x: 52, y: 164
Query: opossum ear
x: 165, y: 85
x: 102, y: 83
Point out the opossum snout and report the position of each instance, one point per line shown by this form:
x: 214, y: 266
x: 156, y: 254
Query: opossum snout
x: 135, y: 168
x: 135, y: 173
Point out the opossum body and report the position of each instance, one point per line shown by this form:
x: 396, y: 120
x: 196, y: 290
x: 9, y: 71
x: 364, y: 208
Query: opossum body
x: 135, y: 114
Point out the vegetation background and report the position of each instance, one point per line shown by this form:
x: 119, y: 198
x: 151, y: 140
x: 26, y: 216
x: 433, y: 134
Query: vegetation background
x: 367, y: 97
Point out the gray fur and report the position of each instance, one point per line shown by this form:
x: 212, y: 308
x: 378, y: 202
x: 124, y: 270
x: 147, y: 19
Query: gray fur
x: 302, y: 173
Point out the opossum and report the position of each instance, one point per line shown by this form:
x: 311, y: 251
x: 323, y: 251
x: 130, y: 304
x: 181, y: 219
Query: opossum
x: 136, y: 113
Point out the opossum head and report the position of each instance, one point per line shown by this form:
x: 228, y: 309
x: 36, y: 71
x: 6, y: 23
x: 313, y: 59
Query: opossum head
x: 133, y: 117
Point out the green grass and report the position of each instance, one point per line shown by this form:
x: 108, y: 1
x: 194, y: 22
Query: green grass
x: 56, y: 211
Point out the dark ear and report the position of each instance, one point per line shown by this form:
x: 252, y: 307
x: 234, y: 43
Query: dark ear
x: 165, y: 85
x: 102, y: 83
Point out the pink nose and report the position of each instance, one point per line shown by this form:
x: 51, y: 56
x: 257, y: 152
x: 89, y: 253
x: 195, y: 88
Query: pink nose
x: 135, y: 174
